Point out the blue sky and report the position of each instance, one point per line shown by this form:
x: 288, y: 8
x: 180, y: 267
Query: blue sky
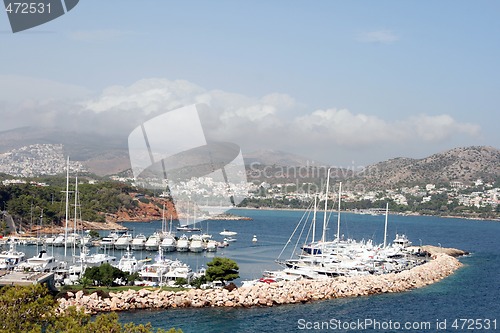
x: 338, y: 81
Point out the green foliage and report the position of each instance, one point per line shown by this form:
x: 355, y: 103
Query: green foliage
x: 222, y: 269
x: 94, y: 234
x: 32, y: 309
x: 26, y: 202
x: 180, y: 281
x: 199, y: 281
x: 105, y: 275
x: 25, y: 309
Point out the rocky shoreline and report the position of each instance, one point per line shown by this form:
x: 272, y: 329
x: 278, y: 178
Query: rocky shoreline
x: 263, y: 294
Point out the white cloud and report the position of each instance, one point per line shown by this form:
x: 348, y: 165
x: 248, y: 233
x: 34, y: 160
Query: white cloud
x: 148, y: 96
x: 343, y: 128
x: 378, y: 36
x: 274, y: 121
x: 270, y: 119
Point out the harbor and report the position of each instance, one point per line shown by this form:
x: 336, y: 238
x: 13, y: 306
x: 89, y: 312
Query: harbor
x: 269, y: 294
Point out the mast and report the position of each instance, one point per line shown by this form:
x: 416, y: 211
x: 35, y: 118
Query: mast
x: 314, y: 220
x: 163, y: 221
x: 326, y: 206
x: 338, y: 214
x: 74, y: 220
x: 67, y: 209
x: 385, y: 229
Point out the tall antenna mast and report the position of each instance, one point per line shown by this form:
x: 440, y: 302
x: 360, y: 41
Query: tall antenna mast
x: 326, y: 206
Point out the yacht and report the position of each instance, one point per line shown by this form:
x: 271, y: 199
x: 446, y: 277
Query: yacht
x: 73, y: 239
x: 196, y: 244
x: 187, y: 228
x: 123, y: 242
x: 58, y: 240
x: 154, y: 274
x: 128, y: 263
x: 49, y: 240
x: 226, y: 232
x: 11, y: 258
x: 42, y: 262
x: 109, y: 241
x: 96, y: 259
x: 178, y: 270
x: 212, y: 245
x: 153, y: 242
x: 138, y: 242
x: 168, y: 244
x: 401, y: 241
x: 183, y: 244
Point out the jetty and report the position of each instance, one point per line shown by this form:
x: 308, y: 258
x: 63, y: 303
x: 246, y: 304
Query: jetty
x: 439, y: 267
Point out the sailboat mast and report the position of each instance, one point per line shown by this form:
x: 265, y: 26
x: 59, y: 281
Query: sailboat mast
x: 74, y: 219
x: 163, y: 221
x: 67, y: 209
x: 323, y: 237
x: 314, y: 219
x: 338, y: 214
x: 385, y: 229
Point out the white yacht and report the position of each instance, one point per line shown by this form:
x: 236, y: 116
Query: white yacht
x: 226, y: 232
x: 196, y: 244
x: 123, y: 242
x: 128, y: 263
x: 154, y: 274
x: 179, y: 270
x: 169, y: 243
x: 42, y: 262
x: 153, y: 242
x: 59, y: 240
x: 183, y: 244
x: 109, y: 241
x: 138, y: 242
x: 95, y: 259
x: 11, y: 258
x: 212, y: 245
x: 73, y: 239
x: 49, y: 240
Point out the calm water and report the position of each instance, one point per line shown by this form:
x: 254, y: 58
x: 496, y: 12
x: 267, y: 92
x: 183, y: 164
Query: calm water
x: 471, y: 293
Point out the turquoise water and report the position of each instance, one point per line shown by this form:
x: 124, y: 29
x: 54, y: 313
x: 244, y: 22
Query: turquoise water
x: 471, y: 293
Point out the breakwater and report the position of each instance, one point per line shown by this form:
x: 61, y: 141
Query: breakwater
x: 263, y: 294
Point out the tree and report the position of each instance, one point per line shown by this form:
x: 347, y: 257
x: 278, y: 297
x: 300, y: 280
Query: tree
x: 32, y: 309
x: 94, y: 234
x: 25, y: 309
x: 222, y: 269
x: 105, y: 274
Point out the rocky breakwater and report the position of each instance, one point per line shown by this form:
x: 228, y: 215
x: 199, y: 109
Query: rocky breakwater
x: 263, y: 294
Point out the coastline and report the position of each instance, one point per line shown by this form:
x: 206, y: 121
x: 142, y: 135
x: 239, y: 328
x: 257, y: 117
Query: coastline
x: 390, y: 213
x: 443, y: 264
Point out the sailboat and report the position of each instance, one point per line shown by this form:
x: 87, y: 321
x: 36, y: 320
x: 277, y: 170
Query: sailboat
x: 187, y: 227
x: 168, y: 243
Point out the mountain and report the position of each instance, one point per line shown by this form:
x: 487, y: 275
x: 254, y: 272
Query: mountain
x: 100, y: 154
x: 106, y: 155
x: 276, y: 157
x: 465, y: 164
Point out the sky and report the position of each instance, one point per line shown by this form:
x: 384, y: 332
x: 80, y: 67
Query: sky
x: 340, y: 82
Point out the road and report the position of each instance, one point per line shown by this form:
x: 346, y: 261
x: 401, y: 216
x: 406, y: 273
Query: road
x: 11, y: 226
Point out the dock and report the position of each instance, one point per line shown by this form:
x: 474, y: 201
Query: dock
x: 13, y: 278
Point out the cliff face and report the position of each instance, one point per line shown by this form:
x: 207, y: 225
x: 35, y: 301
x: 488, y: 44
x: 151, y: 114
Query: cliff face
x: 147, y: 209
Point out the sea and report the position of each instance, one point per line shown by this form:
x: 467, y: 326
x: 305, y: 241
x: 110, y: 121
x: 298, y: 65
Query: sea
x: 468, y: 300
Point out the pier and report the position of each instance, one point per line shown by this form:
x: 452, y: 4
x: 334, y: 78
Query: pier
x: 269, y: 294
